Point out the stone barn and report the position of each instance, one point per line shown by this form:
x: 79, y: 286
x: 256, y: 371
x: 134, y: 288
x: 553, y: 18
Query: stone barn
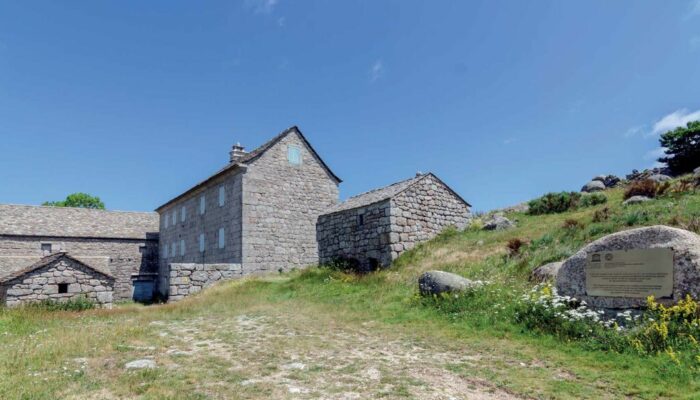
x: 372, y: 229
x: 58, y: 277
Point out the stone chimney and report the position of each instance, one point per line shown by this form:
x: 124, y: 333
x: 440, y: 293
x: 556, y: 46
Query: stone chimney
x: 237, y: 152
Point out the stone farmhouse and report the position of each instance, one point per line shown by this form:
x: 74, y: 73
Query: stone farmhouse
x: 123, y: 245
x: 272, y: 209
x: 374, y: 228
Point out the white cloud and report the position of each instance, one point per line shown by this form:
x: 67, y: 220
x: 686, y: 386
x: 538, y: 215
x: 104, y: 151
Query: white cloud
x: 635, y: 130
x: 674, y: 120
x: 509, y: 140
x: 262, y: 6
x: 654, y: 154
x: 695, y: 8
x: 376, y: 71
x: 281, y: 21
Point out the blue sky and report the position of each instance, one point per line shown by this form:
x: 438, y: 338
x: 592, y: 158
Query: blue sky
x: 504, y: 100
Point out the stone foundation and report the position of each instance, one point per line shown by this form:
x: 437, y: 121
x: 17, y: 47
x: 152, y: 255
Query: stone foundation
x: 190, y: 278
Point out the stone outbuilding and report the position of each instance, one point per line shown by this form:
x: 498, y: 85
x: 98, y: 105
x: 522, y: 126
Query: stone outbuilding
x: 372, y: 229
x: 58, y: 277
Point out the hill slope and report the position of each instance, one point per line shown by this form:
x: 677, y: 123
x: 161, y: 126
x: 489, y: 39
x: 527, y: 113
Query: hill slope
x: 321, y: 333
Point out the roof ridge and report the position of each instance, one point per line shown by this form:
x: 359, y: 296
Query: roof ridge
x: 75, y: 208
x: 384, y: 187
x: 44, y: 261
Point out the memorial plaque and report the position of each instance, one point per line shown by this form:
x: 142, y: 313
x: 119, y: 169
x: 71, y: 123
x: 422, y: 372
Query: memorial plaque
x: 631, y: 273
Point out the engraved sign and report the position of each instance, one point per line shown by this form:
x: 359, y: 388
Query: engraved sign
x: 630, y: 273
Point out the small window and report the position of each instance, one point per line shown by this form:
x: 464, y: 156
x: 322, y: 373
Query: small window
x: 183, y: 214
x: 165, y: 251
x: 361, y: 219
x: 201, y: 243
x: 174, y: 218
x: 202, y: 205
x: 222, y: 195
x: 173, y: 249
x: 222, y: 239
x: 182, y: 247
x: 167, y: 220
x: 62, y: 288
x: 294, y: 155
x: 46, y: 248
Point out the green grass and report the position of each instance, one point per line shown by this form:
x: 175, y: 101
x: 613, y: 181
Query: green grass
x: 319, y: 310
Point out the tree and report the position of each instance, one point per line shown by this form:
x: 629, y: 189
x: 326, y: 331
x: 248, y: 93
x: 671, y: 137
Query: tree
x: 682, y: 148
x: 81, y: 200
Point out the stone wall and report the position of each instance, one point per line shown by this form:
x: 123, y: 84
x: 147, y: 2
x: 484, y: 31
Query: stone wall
x: 190, y: 278
x: 340, y: 235
x: 122, y: 258
x: 422, y: 211
x: 43, y: 284
x: 227, y: 216
x: 281, y: 204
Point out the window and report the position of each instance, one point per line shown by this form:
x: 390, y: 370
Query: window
x: 167, y: 220
x: 294, y: 155
x: 361, y: 219
x: 173, y: 249
x: 165, y: 251
x: 202, y: 205
x: 183, y: 214
x: 174, y: 218
x: 62, y: 288
x: 221, y: 238
x: 222, y: 195
x: 201, y: 243
x: 46, y: 248
x: 182, y: 247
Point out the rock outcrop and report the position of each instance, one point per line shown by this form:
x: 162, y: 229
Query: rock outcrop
x: 593, y: 186
x: 497, y: 222
x: 546, y: 272
x: 635, y: 200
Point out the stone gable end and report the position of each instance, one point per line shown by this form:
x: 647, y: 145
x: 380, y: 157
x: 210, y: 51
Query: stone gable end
x: 45, y: 283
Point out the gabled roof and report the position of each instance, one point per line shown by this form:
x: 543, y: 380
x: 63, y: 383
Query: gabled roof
x: 46, y: 261
x: 252, y: 156
x: 23, y: 220
x: 385, y: 193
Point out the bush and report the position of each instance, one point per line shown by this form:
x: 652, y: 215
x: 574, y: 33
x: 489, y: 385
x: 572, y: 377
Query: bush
x: 592, y: 199
x: 647, y: 188
x: 514, y: 245
x: 572, y: 224
x: 601, y: 215
x: 552, y: 203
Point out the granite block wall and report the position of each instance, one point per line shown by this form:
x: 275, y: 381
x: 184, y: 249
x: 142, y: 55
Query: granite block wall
x: 189, y: 278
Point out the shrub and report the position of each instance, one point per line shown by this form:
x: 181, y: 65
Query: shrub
x: 514, y: 245
x: 552, y: 203
x: 647, y: 188
x: 635, y: 218
x: 601, y: 215
x: 572, y: 224
x: 592, y: 199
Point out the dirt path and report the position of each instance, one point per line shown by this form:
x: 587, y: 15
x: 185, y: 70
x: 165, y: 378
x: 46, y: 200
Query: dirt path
x: 305, y: 357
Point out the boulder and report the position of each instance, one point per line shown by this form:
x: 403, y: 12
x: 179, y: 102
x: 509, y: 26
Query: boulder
x: 658, y: 178
x: 599, y: 178
x: 497, y: 222
x: 593, y: 186
x: 571, y: 280
x: 436, y: 282
x: 546, y: 272
x: 696, y: 172
x: 611, y: 181
x: 635, y: 200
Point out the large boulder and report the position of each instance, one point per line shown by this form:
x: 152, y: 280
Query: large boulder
x: 593, y: 186
x: 436, y: 282
x: 610, y: 181
x: 497, y: 222
x: 546, y: 272
x: 635, y: 200
x: 571, y: 280
x: 658, y: 178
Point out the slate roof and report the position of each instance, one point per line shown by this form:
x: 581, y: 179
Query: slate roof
x: 46, y: 261
x: 23, y: 220
x: 251, y: 156
x: 385, y: 193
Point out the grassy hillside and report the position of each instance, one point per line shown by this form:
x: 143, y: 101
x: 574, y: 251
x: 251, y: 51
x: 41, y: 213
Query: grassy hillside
x: 321, y: 333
